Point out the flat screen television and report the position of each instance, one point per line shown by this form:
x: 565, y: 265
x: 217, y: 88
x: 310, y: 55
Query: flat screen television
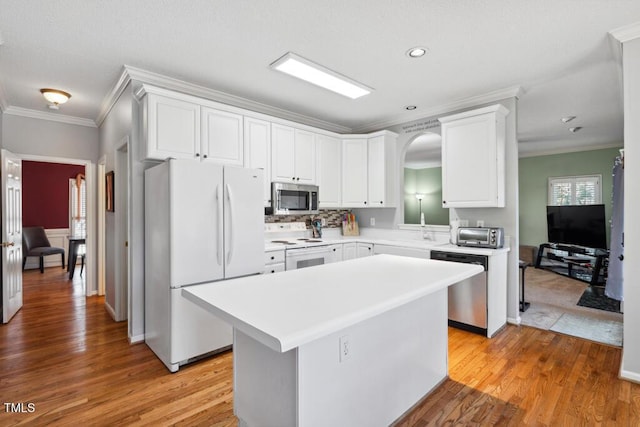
x: 580, y: 225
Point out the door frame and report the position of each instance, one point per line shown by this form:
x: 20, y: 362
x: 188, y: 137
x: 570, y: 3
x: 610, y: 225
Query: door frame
x: 101, y: 243
x: 89, y: 286
x: 122, y: 277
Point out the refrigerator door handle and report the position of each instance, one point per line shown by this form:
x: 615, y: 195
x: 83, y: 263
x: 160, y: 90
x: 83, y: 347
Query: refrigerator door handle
x: 219, y: 198
x: 230, y: 225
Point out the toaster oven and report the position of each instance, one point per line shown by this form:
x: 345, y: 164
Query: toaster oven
x: 481, y: 237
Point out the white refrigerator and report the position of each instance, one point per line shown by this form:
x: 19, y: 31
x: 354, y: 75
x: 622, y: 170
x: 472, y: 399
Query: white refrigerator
x: 203, y: 223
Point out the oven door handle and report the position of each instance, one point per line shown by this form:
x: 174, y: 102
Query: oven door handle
x: 307, y: 251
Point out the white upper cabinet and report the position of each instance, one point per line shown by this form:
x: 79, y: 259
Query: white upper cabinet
x: 382, y: 188
x: 328, y: 171
x: 473, y: 158
x: 186, y: 127
x: 172, y: 127
x: 292, y: 155
x: 257, y: 150
x: 222, y: 136
x: 369, y: 171
x: 354, y: 173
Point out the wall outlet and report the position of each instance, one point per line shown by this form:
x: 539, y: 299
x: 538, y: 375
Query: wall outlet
x: 372, y: 222
x: 345, y: 348
x: 480, y: 223
x: 464, y: 223
x: 324, y: 222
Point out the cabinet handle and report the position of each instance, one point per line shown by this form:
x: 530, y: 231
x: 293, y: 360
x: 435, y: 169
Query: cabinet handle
x: 621, y: 257
x: 293, y: 179
x: 298, y: 179
x: 205, y: 156
x: 334, y: 250
x: 273, y: 271
x: 273, y: 257
x: 380, y: 201
x: 197, y: 154
x: 365, y: 202
x: 444, y: 202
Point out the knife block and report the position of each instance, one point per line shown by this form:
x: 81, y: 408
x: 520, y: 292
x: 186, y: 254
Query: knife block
x: 350, y: 229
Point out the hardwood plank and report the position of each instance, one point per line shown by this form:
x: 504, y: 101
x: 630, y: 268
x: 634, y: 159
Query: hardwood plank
x: 63, y: 353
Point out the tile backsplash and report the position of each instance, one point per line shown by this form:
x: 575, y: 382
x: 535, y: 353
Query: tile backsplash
x: 332, y: 217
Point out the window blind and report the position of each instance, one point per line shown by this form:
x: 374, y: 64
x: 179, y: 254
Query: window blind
x: 575, y: 190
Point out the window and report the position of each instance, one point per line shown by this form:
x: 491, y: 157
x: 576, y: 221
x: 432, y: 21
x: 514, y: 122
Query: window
x: 78, y: 208
x: 575, y: 190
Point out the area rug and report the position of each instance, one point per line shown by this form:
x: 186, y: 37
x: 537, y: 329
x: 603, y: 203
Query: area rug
x: 598, y: 330
x: 595, y: 298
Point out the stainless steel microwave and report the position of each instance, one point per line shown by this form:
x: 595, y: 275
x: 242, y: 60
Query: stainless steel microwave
x: 291, y: 199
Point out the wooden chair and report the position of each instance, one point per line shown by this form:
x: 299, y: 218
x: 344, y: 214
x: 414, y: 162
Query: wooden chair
x: 36, y: 243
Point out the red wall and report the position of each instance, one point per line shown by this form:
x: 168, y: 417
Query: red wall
x: 45, y: 193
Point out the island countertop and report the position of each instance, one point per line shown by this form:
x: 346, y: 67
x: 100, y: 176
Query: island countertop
x: 286, y: 310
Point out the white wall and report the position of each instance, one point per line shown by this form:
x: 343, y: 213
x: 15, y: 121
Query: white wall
x: 630, y: 367
x: 114, y: 130
x: 26, y: 135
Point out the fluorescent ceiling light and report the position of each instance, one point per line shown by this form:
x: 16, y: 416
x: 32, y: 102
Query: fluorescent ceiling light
x: 311, y: 72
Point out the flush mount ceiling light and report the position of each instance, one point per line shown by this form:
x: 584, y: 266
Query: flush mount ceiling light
x: 309, y: 71
x: 410, y: 107
x: 416, y: 52
x: 567, y: 119
x: 55, y: 97
x: 575, y: 129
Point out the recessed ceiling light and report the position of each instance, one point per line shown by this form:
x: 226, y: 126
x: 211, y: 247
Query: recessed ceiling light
x: 416, y: 52
x: 318, y: 75
x: 567, y: 119
x: 575, y: 129
x: 410, y: 107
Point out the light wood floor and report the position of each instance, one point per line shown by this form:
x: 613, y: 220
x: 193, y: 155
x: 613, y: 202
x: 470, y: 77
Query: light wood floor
x: 63, y: 353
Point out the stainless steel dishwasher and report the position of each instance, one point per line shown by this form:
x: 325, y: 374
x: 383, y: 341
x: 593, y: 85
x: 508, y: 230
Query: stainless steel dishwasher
x: 467, y: 299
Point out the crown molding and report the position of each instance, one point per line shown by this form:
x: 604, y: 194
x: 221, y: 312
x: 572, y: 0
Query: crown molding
x: 177, y: 85
x: 626, y: 33
x: 474, y: 101
x: 114, y: 94
x: 43, y: 115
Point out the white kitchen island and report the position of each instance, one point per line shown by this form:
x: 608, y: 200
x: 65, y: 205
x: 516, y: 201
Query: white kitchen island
x: 355, y: 343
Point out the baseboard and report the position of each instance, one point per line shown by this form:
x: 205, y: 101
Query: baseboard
x: 515, y: 321
x: 136, y: 339
x: 630, y: 376
x: 110, y: 310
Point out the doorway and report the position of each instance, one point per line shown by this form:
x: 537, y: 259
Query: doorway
x: 86, y: 283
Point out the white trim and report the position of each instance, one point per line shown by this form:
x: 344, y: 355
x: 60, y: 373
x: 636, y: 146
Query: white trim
x: 626, y: 33
x: 135, y: 339
x: 44, y: 115
x: 423, y: 165
x: 114, y: 94
x: 226, y: 98
x: 110, y: 310
x: 3, y: 99
x: 473, y: 101
x: 552, y: 152
x: 515, y: 321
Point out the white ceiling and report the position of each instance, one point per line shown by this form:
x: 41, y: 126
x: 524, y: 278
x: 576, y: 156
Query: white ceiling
x: 557, y: 51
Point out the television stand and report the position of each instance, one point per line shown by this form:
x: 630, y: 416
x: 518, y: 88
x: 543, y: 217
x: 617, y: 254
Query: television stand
x: 585, y: 264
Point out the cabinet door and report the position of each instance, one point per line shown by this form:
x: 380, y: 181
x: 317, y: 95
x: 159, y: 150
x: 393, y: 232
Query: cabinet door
x: 282, y: 153
x: 172, y: 128
x: 376, y: 172
x: 305, y: 157
x: 222, y: 140
x: 328, y: 171
x: 365, y: 249
x: 257, y: 151
x: 473, y: 160
x: 354, y: 173
x: 349, y: 251
x: 336, y: 253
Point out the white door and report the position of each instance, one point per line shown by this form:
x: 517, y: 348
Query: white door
x: 282, y: 153
x: 376, y: 172
x: 11, y: 169
x: 354, y: 173
x: 257, y: 151
x: 328, y: 170
x: 197, y: 246
x: 305, y: 157
x: 222, y: 140
x: 243, y: 222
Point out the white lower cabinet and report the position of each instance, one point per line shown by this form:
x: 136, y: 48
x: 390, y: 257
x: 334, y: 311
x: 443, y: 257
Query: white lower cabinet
x: 349, y: 251
x: 274, y: 261
x: 336, y: 253
x: 364, y: 249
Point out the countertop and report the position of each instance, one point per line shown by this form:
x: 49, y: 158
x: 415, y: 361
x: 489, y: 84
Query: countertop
x: 286, y: 310
x: 419, y: 244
